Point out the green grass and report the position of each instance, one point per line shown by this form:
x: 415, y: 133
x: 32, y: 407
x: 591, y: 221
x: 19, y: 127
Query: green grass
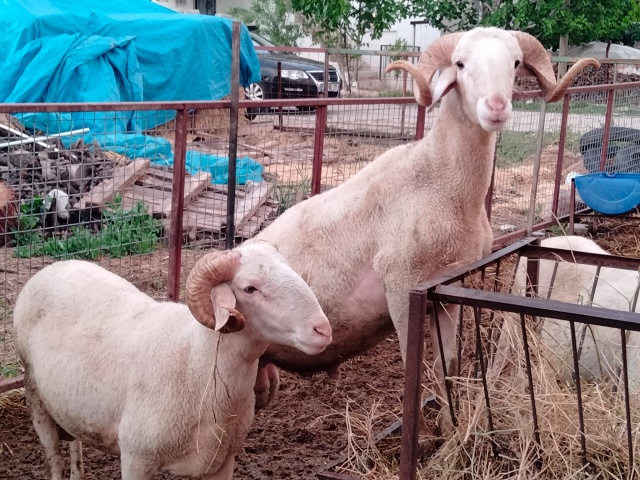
x: 514, y: 147
x: 9, y: 370
x: 392, y: 93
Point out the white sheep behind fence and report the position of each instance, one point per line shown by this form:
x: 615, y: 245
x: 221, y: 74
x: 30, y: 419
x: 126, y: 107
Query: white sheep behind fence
x: 416, y: 210
x: 167, y: 386
x: 599, y: 347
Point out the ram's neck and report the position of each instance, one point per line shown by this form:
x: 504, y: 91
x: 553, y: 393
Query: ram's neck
x: 233, y: 354
x: 466, y: 148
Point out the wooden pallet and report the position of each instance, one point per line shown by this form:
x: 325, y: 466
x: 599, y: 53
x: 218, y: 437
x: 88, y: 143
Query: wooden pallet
x: 205, y: 204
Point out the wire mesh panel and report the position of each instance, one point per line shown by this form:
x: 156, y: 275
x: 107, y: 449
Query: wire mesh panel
x: 71, y: 194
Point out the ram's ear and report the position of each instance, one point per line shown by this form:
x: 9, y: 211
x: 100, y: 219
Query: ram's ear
x: 228, y: 319
x: 446, y: 81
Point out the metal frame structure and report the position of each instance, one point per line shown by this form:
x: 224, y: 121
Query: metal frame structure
x: 440, y: 291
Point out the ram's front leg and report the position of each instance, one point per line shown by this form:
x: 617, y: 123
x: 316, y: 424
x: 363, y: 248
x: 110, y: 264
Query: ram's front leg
x: 267, y: 384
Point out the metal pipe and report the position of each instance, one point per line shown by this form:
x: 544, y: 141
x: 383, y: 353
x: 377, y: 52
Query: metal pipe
x: 627, y: 408
x: 572, y: 206
x: 561, y: 146
x: 318, y: 149
x: 488, y: 199
x: 443, y: 363
x: 536, y: 167
x: 527, y: 356
x: 279, y: 78
x: 411, y: 410
x: 607, y: 129
x: 325, y: 93
x: 420, y: 122
x: 29, y: 140
x: 483, y: 369
x: 233, y: 135
x: 11, y: 383
x: 177, y: 207
x: 576, y: 368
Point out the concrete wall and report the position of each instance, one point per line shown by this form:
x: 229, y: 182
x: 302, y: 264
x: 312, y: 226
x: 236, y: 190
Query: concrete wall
x: 222, y: 6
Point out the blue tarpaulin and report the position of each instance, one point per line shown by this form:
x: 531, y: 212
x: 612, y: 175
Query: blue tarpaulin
x: 118, y: 51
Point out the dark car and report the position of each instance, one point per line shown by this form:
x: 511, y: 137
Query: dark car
x: 301, y: 77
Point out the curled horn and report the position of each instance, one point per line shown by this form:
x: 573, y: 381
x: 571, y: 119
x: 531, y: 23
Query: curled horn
x: 536, y: 58
x: 437, y: 55
x: 210, y: 271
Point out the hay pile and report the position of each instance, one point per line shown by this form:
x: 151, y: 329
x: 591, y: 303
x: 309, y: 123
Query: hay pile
x: 510, y: 450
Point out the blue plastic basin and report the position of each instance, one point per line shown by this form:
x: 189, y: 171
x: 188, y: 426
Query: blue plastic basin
x: 609, y: 193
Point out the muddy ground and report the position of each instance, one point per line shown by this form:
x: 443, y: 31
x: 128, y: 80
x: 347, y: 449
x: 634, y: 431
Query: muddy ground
x: 304, y: 430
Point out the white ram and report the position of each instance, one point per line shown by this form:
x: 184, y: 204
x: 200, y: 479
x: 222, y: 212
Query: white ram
x: 417, y: 209
x: 108, y: 366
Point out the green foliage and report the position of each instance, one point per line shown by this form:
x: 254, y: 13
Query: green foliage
x: 400, y: 45
x: 582, y: 20
x: 274, y: 21
x: 343, y: 22
x: 8, y: 371
x: 127, y: 232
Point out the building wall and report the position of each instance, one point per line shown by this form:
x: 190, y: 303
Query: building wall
x: 178, y: 5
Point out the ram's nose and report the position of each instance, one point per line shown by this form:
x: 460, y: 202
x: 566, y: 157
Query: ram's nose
x: 323, y: 328
x: 496, y: 103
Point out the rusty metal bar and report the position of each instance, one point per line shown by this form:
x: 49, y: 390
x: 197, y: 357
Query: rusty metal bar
x: 483, y: 369
x: 280, y: 93
x: 607, y: 130
x: 221, y: 104
x: 177, y: 207
x: 443, y: 362
x: 230, y: 233
x: 11, y: 383
x: 318, y: 149
x: 561, y: 144
x: 576, y: 369
x: 533, y: 270
x: 325, y: 92
x: 627, y: 408
x: 536, y: 168
x: 587, y: 258
x: 420, y: 122
x: 572, y: 207
x: 541, y: 307
x: 532, y: 395
x: 412, y: 386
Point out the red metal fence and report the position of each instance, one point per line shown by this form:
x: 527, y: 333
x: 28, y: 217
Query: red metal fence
x: 302, y: 148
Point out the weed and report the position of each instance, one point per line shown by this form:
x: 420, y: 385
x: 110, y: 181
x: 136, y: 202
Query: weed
x: 125, y: 232
x: 288, y: 194
x: 8, y: 371
x: 514, y: 147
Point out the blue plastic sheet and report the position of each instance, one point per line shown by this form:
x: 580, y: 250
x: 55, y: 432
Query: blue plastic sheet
x: 116, y: 51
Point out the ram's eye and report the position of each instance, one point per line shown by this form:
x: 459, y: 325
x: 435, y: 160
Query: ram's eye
x: 460, y: 65
x: 517, y: 63
x: 249, y: 289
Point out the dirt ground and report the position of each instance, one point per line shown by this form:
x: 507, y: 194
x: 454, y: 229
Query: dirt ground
x: 293, y: 439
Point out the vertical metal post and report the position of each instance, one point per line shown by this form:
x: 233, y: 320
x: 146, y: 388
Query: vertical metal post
x: 420, y: 122
x: 280, y: 94
x: 572, y: 206
x: 627, y: 407
x: 536, y: 168
x: 318, y: 149
x: 607, y: 129
x: 564, y: 123
x: 233, y: 134
x: 576, y: 369
x: 403, y: 108
x: 325, y: 92
x: 177, y: 206
x: 532, y: 397
x: 412, y: 386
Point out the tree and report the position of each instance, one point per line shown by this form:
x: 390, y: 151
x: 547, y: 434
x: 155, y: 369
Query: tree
x: 274, y: 21
x: 582, y: 20
x: 346, y: 22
